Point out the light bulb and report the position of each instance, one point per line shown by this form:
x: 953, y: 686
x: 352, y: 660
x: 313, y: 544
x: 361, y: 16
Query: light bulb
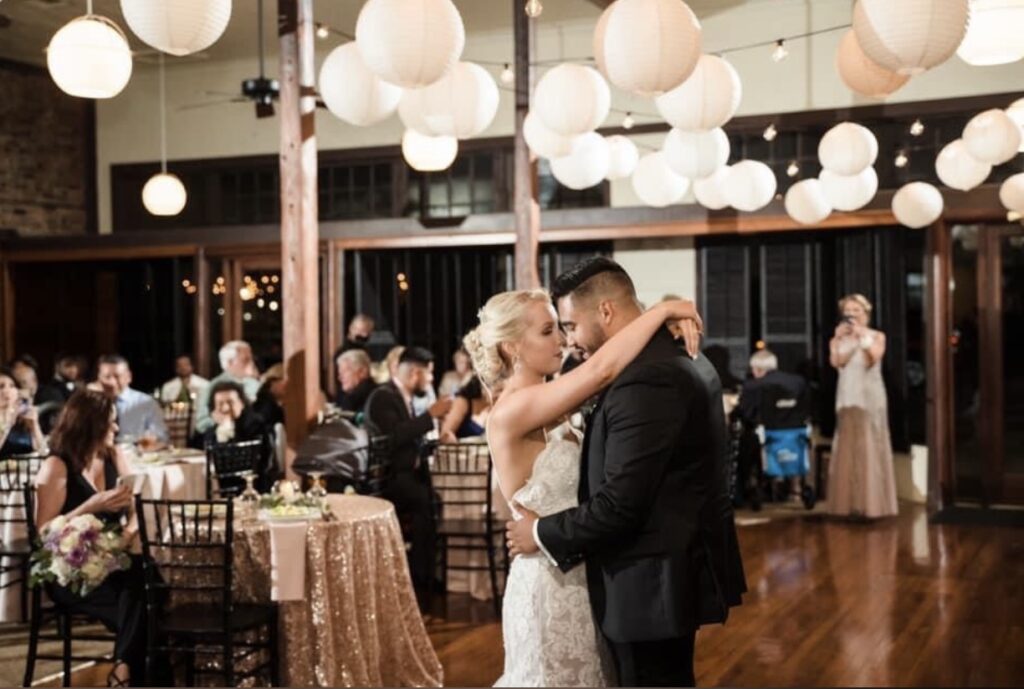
x: 533, y: 8
x: 322, y: 31
x: 901, y: 159
x: 628, y: 121
x: 770, y: 132
x: 781, y: 52
x: 793, y: 170
x: 507, y: 75
x: 917, y: 128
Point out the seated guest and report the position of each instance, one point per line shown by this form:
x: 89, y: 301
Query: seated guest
x: 387, y: 368
x: 354, y: 379
x: 26, y: 372
x: 389, y: 413
x: 19, y: 424
x: 360, y: 330
x: 236, y: 422
x: 238, y: 367
x: 452, y: 381
x: 67, y: 378
x: 80, y: 477
x: 468, y: 416
x: 139, y: 416
x: 423, y: 402
x: 269, y: 402
x: 186, y: 386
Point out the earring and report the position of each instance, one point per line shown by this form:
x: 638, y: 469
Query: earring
x: 517, y: 365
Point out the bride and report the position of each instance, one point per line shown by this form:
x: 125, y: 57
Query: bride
x: 550, y: 637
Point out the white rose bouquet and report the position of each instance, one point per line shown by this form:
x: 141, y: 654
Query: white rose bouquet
x: 79, y: 553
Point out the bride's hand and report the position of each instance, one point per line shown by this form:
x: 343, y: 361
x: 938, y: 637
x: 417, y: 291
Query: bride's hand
x: 685, y: 323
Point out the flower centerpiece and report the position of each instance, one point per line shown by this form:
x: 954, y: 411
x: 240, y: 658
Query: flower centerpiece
x: 288, y: 501
x: 79, y: 553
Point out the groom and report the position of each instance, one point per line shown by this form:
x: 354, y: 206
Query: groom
x: 655, y: 523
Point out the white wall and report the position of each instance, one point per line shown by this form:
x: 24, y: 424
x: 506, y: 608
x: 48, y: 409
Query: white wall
x: 127, y: 125
x: 659, y: 267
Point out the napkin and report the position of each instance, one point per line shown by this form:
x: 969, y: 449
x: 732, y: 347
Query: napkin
x: 288, y: 561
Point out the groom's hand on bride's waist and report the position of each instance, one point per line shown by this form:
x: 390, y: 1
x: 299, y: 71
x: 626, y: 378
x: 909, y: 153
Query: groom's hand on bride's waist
x: 519, y: 533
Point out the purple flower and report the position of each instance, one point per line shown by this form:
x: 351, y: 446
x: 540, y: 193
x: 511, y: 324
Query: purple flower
x: 89, y: 536
x: 77, y: 557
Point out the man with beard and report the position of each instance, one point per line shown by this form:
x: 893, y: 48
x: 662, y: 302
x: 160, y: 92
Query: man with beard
x: 389, y: 412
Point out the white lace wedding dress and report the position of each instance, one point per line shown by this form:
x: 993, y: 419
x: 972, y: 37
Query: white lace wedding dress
x: 550, y: 637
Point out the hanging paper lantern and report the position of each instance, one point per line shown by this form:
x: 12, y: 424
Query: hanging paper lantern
x: 709, y: 190
x: 750, y: 185
x: 992, y: 137
x: 910, y: 36
x: 958, y: 169
x: 696, y: 154
x: 622, y: 157
x: 462, y: 103
x: 706, y: 100
x: 89, y: 57
x: 428, y: 153
x: 806, y: 202
x: 863, y: 75
x: 177, y: 27
x: 849, y: 193
x: 648, y: 47
x: 1016, y: 113
x: 917, y: 204
x: 847, y: 149
x: 352, y: 92
x: 586, y: 166
x: 411, y: 43
x: 1011, y: 193
x: 995, y: 34
x: 543, y: 142
x: 164, y: 194
x: 572, y: 99
x: 656, y: 184
x: 598, y: 44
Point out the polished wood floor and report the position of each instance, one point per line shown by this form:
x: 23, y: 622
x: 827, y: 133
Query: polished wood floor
x: 895, y: 603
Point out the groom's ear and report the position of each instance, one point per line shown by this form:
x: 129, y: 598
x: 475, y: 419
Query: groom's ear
x: 606, y: 310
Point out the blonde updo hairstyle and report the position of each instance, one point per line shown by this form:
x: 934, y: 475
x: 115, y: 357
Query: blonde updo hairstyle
x: 502, y: 322
x: 858, y: 299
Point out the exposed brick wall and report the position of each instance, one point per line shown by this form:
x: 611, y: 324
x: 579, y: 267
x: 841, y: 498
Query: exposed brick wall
x: 47, y: 155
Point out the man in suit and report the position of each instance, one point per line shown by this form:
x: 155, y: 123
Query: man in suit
x: 655, y: 524
x: 389, y: 412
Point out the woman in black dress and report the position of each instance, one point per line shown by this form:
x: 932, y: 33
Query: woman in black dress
x: 80, y: 477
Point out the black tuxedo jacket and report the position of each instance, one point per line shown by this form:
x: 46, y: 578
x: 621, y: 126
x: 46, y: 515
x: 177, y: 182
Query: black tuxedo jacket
x: 655, y: 523
x: 386, y: 414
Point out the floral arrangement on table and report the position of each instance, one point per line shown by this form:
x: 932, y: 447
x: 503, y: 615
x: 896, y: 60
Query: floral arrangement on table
x: 79, y: 553
x: 288, y: 501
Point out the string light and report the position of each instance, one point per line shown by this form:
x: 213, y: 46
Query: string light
x: 781, y: 52
x: 507, y: 75
x: 901, y: 159
x: 322, y: 31
x: 628, y: 121
x: 793, y: 170
x: 917, y: 128
x: 533, y: 8
x: 770, y: 132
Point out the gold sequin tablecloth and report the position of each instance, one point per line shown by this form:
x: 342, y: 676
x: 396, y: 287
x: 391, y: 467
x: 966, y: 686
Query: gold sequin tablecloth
x: 359, y: 624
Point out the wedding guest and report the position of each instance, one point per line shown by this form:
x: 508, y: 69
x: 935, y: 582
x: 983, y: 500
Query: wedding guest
x: 80, y: 477
x: 468, y: 415
x: 67, y: 378
x: 423, y: 402
x: 354, y: 379
x: 26, y: 372
x: 452, y: 381
x: 20, y: 432
x: 185, y: 386
x: 236, y: 422
x: 389, y: 413
x: 387, y: 371
x: 139, y: 415
x: 269, y: 402
x: 238, y: 367
x: 861, y: 480
x: 360, y: 330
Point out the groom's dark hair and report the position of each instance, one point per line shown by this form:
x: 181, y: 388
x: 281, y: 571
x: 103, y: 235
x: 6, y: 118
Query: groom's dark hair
x: 592, y: 277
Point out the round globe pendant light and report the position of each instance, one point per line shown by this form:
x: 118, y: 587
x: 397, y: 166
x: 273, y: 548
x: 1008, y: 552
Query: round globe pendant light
x: 177, y: 27
x: 995, y: 35
x: 89, y: 57
x: 429, y: 153
x: 164, y: 194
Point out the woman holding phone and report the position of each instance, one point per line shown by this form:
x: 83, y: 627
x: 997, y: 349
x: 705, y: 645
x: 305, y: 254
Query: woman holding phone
x: 861, y: 481
x: 20, y: 432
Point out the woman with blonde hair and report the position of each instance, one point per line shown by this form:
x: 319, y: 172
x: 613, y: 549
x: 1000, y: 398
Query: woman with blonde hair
x: 861, y: 481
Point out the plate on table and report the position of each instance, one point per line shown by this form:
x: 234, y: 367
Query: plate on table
x: 290, y: 513
x: 152, y: 459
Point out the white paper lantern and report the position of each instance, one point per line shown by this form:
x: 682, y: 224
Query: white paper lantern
x: 656, y: 184
x: 622, y: 157
x: 1011, y: 193
x: 696, y: 154
x: 411, y: 43
x: 177, y: 27
x: 587, y: 165
x: 428, y: 153
x: 1016, y: 113
x: 89, y: 57
x: 995, y: 34
x: 598, y: 44
x: 462, y: 103
x: 863, y: 75
x: 750, y: 185
x: 709, y: 191
x: 572, y: 99
x: 164, y: 194
x: 992, y: 137
x: 910, y: 36
x: 917, y: 204
x: 806, y: 202
x: 648, y: 46
x: 849, y: 193
x: 958, y: 169
x: 544, y: 142
x: 708, y: 99
x: 352, y: 92
x: 847, y: 149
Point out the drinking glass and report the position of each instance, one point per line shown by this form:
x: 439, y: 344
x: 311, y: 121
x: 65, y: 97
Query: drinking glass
x: 316, y: 489
x: 249, y: 498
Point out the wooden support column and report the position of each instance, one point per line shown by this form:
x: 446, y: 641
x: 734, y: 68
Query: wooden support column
x: 939, y: 367
x: 299, y: 233
x: 201, y: 315
x: 526, y: 206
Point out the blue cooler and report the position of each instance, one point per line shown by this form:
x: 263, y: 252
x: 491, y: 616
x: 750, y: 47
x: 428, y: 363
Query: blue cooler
x: 785, y: 452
